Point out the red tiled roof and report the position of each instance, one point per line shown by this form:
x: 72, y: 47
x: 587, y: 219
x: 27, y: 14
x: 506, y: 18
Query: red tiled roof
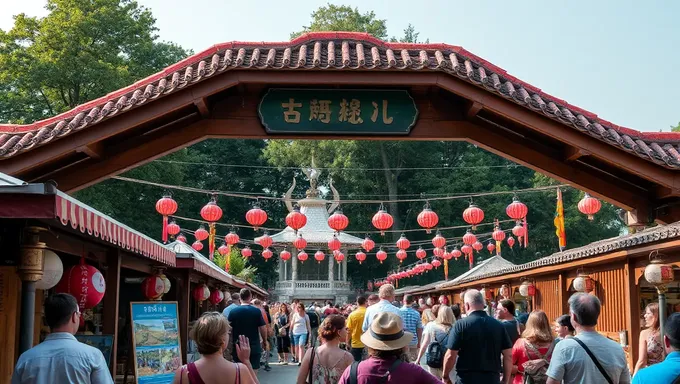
x: 340, y: 51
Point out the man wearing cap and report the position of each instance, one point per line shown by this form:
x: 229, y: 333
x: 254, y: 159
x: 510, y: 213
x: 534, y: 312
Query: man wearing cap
x: 386, y: 294
x: 386, y: 342
x: 474, y: 345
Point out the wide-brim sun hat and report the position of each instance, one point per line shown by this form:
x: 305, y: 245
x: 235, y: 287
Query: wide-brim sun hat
x: 386, y: 333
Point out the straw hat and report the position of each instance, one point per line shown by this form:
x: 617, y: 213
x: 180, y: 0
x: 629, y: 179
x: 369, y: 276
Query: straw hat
x: 386, y: 333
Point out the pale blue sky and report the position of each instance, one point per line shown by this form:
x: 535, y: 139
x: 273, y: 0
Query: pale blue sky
x: 618, y: 59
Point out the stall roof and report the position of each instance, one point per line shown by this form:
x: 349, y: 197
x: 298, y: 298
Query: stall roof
x: 80, y: 216
x: 490, y: 265
x: 200, y: 263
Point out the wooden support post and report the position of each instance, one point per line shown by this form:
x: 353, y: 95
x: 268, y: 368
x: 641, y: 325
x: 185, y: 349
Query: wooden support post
x: 111, y: 303
x: 632, y: 305
x: 562, y: 294
x: 183, y: 294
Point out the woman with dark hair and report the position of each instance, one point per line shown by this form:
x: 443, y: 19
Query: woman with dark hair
x: 387, y: 363
x: 282, y: 336
x: 563, y: 327
x: 535, y: 345
x: 211, y: 334
x: 456, y: 311
x: 325, y: 364
x: 651, y: 350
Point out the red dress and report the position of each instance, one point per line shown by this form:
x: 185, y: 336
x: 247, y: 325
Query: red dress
x: 519, y: 357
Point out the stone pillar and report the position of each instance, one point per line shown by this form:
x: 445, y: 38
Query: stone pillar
x: 331, y: 270
x: 294, y: 273
x: 282, y: 271
x: 344, y: 269
x: 30, y: 270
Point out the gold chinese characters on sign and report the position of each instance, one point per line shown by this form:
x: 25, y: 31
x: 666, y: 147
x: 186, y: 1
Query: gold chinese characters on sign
x: 320, y: 110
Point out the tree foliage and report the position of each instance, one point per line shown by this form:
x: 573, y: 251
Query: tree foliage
x: 238, y: 265
x: 344, y: 18
x: 81, y: 50
x: 675, y: 128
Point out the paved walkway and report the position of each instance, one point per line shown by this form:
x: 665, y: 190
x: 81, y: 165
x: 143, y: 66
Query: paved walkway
x: 279, y: 374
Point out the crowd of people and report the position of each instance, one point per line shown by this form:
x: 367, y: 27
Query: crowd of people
x: 379, y: 340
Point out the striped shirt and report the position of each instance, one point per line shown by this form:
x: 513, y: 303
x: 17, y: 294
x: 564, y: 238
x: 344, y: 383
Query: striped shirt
x: 412, y: 322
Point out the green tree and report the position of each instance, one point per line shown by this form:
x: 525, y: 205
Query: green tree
x: 344, y: 18
x: 83, y: 49
x: 675, y: 128
x: 238, y: 265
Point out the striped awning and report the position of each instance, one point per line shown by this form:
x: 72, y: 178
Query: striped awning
x: 80, y: 216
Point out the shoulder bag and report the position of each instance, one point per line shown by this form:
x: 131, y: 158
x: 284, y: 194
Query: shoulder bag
x: 594, y: 359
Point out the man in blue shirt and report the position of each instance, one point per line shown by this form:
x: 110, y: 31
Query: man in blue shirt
x: 247, y: 320
x: 413, y: 324
x: 668, y: 370
x: 235, y: 300
x: 386, y: 294
x: 61, y: 359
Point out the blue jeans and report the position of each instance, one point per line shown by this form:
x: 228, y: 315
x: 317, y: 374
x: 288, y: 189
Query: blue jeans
x: 300, y: 339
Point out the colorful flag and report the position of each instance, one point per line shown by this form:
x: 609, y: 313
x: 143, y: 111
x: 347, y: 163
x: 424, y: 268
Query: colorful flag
x: 559, y: 221
x: 446, y: 269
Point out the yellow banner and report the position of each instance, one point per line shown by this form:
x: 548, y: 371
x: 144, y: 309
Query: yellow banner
x: 559, y: 221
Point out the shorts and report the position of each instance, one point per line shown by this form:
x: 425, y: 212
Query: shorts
x: 255, y: 356
x: 300, y: 339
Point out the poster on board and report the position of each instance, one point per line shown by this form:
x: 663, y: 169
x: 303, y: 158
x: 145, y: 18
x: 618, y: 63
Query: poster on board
x: 156, y: 341
x: 103, y: 343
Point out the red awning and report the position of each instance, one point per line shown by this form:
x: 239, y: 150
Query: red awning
x: 88, y: 220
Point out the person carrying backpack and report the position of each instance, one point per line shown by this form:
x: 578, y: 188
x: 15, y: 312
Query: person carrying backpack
x: 386, y: 342
x: 532, y: 352
x: 314, y: 322
x: 435, y: 337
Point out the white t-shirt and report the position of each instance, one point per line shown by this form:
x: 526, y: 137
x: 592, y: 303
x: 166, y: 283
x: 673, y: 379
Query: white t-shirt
x: 299, y: 324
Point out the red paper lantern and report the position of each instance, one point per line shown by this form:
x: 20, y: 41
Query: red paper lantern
x: 197, y: 245
x: 491, y: 247
x: 403, y: 242
x: 201, y: 234
x: 381, y: 255
x: 477, y: 246
x: 173, y: 228
x: 589, y: 206
x: 223, y: 249
x: 267, y: 254
x: 382, y: 221
x: 201, y: 293
x: 256, y: 217
x: 211, y: 212
x: 473, y: 215
x: 518, y: 230
x: 498, y: 234
x: 85, y: 283
x: 246, y: 252
x: 456, y: 253
x: 447, y: 255
x: 302, y: 256
x: 153, y: 287
x: 511, y: 241
x: 338, y: 256
x: 401, y: 255
x: 181, y: 238
x: 166, y: 206
x: 439, y: 241
x: 265, y: 241
x: 319, y: 256
x: 516, y: 210
x: 469, y: 238
x: 338, y: 221
x: 296, y: 220
x: 466, y: 249
x: 334, y: 244
x: 368, y: 244
x: 436, y: 263
x: 300, y: 243
x: 360, y: 256
x: 231, y: 238
x: 285, y: 255
x: 369, y: 286
x: 420, y: 253
x: 427, y: 266
x: 439, y: 252
x: 427, y: 219
x: 216, y: 297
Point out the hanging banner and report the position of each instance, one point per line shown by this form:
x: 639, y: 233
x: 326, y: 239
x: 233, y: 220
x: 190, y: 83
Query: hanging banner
x: 156, y: 342
x: 324, y: 111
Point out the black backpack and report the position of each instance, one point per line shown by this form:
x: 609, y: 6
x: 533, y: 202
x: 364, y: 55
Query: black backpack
x: 435, y: 353
x: 313, y: 319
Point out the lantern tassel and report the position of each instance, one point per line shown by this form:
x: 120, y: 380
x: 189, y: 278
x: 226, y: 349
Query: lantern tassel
x: 165, y: 229
x: 211, y: 241
x: 526, y: 233
x: 446, y: 269
x: 472, y: 260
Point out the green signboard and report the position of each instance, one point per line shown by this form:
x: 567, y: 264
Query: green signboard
x: 351, y: 111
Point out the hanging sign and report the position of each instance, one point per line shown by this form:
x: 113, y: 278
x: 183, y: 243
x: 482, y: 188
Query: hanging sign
x: 324, y: 111
x: 156, y: 341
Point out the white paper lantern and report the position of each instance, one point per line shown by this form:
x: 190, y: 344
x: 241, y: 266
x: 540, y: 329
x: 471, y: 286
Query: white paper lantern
x: 52, y: 271
x: 166, y: 281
